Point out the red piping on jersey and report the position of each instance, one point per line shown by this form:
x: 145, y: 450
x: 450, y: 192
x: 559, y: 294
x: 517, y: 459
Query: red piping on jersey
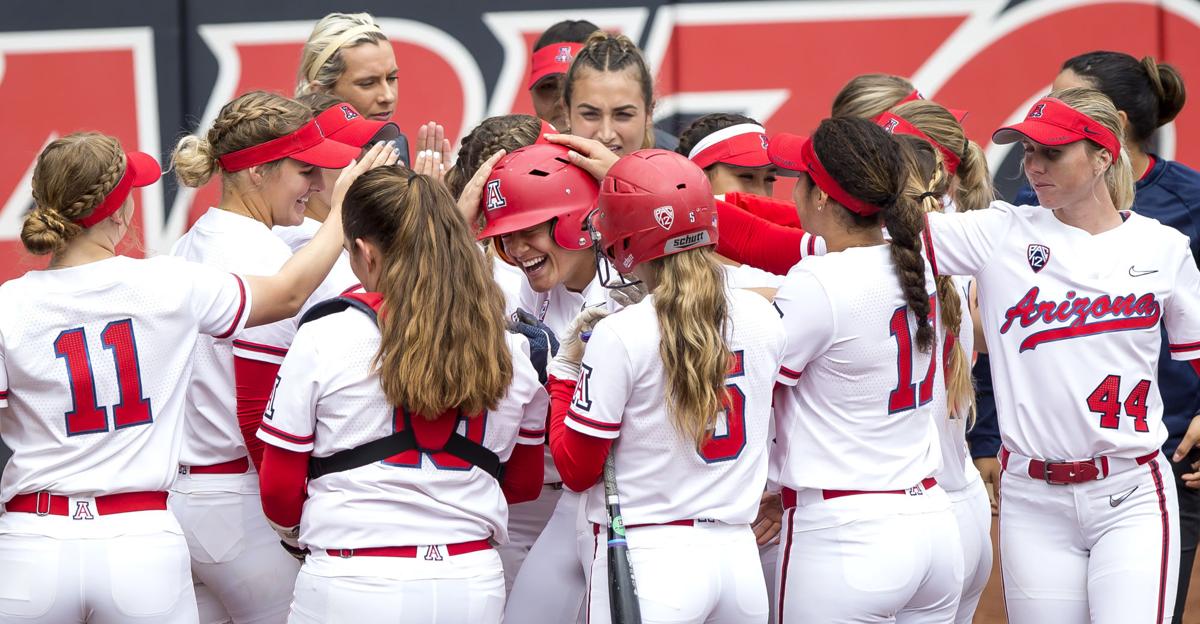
x: 259, y: 348
x: 523, y: 473
x: 532, y: 433
x: 1166, y: 541
x: 352, y: 289
x: 579, y: 457
x: 285, y: 436
x: 789, y: 373
x: 3, y: 394
x: 1182, y: 347
x: 603, y: 426
x: 282, y: 483
x: 237, y: 318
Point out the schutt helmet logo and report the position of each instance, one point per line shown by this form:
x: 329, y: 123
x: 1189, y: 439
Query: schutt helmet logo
x: 665, y: 215
x: 349, y: 112
x: 1038, y: 256
x: 1037, y: 111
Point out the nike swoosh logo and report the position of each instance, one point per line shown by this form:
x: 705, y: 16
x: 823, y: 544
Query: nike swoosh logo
x: 1136, y: 273
x: 1114, y: 500
x: 1089, y: 130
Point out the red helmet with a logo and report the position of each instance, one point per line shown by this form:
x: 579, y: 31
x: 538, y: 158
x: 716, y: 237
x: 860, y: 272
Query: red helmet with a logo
x: 536, y: 184
x: 653, y: 203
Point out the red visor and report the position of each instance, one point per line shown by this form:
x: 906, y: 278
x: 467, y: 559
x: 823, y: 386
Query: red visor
x: 896, y: 124
x: 140, y: 170
x: 743, y: 145
x: 345, y: 125
x: 796, y: 153
x: 552, y: 59
x: 307, y: 145
x: 1052, y: 122
x: 958, y: 113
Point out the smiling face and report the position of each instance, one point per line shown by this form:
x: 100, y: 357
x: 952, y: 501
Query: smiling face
x: 369, y: 80
x: 286, y: 189
x: 608, y: 107
x: 731, y: 178
x: 1064, y: 175
x: 545, y: 263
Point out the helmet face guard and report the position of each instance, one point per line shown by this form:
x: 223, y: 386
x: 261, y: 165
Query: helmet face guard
x: 606, y: 271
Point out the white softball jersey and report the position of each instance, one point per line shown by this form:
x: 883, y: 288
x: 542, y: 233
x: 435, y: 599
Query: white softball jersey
x: 860, y: 414
x: 94, y: 361
x: 328, y: 399
x: 341, y: 277
x: 1073, y: 324
x: 232, y: 242
x: 662, y: 477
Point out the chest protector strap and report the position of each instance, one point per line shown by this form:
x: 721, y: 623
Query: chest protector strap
x: 456, y: 444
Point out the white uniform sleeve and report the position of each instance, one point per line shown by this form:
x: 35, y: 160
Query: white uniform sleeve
x: 1183, y: 310
x: 291, y: 416
x: 3, y: 376
x: 963, y: 242
x: 808, y: 321
x: 605, y: 382
x: 528, y: 392
x: 219, y: 301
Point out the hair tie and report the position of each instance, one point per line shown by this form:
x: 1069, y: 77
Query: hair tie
x: 922, y: 196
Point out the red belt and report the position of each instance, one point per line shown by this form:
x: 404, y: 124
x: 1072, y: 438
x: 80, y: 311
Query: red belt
x: 789, y: 495
x: 233, y: 466
x: 409, y: 552
x: 596, y: 527
x: 44, y: 503
x: 1068, y: 472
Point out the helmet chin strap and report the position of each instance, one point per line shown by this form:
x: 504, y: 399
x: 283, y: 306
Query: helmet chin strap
x: 609, y: 276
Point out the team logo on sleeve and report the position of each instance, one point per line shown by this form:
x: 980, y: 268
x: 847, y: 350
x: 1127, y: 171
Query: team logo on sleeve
x: 349, y: 112
x: 583, y: 399
x: 1038, y: 256
x: 665, y: 216
x: 495, y: 199
x: 1037, y: 111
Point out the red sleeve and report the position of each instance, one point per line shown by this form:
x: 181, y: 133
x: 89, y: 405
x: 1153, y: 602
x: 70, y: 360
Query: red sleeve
x: 523, y: 474
x: 752, y: 240
x: 283, y: 484
x: 253, y: 382
x: 579, y: 457
x: 773, y: 210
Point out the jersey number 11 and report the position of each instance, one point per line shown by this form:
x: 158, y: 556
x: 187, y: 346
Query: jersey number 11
x: 85, y: 415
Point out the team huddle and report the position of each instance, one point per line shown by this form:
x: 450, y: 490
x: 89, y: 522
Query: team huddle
x: 584, y: 371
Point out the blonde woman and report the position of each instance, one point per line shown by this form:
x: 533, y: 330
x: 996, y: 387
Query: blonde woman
x: 404, y: 534
x: 677, y: 388
x: 95, y: 354
x: 269, y: 153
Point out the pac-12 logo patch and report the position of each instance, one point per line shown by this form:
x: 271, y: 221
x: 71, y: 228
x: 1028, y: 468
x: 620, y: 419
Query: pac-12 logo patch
x: 665, y: 216
x: 495, y: 199
x: 1038, y: 256
x: 349, y: 112
x: 1037, y: 111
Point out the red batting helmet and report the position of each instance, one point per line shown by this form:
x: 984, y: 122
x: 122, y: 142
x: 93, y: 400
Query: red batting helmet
x: 536, y: 184
x: 654, y: 203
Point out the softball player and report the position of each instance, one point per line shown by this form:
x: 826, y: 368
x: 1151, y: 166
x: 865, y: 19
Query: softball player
x: 1088, y: 523
x: 685, y: 419
x: 269, y: 152
x: 553, y: 53
x: 866, y: 538
x: 949, y: 173
x: 95, y: 441
x: 403, y: 535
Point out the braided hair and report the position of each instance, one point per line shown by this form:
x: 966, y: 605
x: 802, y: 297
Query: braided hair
x: 72, y: 177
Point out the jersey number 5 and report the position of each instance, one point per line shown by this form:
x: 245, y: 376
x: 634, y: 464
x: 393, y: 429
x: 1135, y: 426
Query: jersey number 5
x: 725, y: 446
x: 907, y: 393
x: 85, y: 415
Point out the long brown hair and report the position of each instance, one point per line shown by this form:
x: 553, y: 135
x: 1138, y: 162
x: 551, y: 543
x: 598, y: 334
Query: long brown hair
x: 442, y: 325
x: 868, y: 95
x: 927, y: 182
x: 693, y: 314
x: 974, y: 190
x: 72, y: 177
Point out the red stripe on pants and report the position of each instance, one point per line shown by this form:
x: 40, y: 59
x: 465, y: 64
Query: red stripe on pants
x: 1166, y: 539
x: 787, y: 552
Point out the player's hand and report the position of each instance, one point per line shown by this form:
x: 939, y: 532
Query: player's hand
x: 433, y: 150
x: 570, y: 354
x: 289, y: 538
x: 1184, y: 452
x: 543, y: 344
x: 587, y: 154
x: 770, y: 518
x: 472, y: 193
x: 628, y: 295
x: 989, y: 469
x: 380, y: 154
